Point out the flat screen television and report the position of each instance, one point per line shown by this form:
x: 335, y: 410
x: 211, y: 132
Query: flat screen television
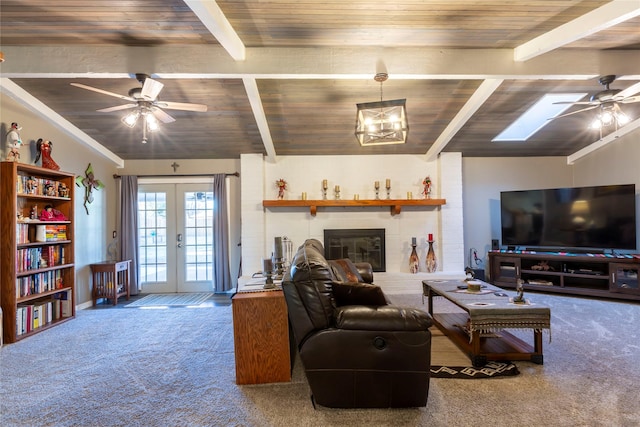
x: 601, y: 217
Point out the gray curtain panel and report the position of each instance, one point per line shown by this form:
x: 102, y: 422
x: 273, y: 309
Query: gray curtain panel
x: 129, y: 227
x: 221, y: 269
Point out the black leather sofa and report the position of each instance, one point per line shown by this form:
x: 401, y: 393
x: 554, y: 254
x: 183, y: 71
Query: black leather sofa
x: 357, y: 351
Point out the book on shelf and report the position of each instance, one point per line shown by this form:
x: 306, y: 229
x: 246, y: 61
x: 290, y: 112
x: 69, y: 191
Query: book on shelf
x: 33, y: 316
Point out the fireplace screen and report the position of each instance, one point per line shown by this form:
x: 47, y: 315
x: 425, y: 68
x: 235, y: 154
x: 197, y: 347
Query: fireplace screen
x: 359, y: 245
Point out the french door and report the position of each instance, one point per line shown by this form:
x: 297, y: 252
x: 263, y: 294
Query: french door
x: 175, y: 237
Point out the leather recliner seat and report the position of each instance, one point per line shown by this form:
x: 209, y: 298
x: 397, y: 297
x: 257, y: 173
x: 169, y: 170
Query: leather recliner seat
x: 370, y: 355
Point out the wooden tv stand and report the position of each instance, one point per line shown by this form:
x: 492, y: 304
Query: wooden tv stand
x: 597, y: 275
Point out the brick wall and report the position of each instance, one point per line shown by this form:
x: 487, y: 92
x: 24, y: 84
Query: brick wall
x: 355, y: 175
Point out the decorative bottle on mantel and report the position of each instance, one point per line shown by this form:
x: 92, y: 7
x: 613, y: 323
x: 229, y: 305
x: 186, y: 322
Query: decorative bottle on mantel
x: 414, y: 261
x: 432, y: 263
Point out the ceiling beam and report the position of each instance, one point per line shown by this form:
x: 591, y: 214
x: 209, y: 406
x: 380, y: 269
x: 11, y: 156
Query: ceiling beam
x: 198, y: 61
x: 212, y: 17
x: 604, y: 17
x: 35, y: 105
x: 253, y: 94
x: 612, y: 137
x: 476, y: 100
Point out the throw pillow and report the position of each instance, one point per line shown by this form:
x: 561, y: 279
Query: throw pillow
x: 358, y: 294
x: 345, y: 270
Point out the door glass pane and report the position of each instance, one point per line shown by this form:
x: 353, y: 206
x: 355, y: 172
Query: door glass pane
x: 198, y: 207
x: 152, y: 229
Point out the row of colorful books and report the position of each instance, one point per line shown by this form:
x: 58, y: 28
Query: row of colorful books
x: 34, y: 316
x: 41, y: 186
x: 39, y: 257
x: 39, y: 283
x: 22, y: 233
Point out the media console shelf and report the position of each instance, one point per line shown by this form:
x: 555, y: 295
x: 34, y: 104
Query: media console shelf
x: 394, y: 204
x: 598, y: 275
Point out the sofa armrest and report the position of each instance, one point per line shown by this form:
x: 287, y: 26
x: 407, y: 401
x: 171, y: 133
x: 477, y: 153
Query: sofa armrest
x: 366, y: 271
x: 382, y: 318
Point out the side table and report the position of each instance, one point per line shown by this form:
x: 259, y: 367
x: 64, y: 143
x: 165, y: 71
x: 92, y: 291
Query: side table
x: 110, y: 279
x: 261, y: 337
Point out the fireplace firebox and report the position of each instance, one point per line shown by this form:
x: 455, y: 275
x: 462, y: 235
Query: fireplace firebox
x: 359, y: 245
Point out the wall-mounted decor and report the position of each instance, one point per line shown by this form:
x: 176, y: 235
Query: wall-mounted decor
x: 89, y: 182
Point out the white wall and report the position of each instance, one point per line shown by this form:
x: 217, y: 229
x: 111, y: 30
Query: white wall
x: 354, y: 175
x: 93, y: 231
x: 484, y: 178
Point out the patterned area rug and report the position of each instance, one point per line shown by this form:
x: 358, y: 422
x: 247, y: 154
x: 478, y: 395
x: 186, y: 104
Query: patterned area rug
x: 170, y: 300
x: 490, y: 370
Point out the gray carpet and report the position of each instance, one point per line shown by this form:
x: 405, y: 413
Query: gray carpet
x: 114, y: 367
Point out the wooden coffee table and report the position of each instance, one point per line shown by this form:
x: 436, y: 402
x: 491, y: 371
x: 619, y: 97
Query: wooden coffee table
x: 479, y: 331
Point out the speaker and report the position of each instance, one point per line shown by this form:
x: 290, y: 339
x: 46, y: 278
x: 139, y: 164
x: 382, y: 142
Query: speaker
x: 495, y: 244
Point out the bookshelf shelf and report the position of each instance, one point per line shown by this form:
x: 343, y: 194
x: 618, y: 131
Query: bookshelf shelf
x: 37, y: 275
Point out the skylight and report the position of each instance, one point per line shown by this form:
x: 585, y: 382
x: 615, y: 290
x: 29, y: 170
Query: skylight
x: 536, y: 117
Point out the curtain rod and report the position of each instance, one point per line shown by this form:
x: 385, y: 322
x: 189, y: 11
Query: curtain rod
x: 116, y: 176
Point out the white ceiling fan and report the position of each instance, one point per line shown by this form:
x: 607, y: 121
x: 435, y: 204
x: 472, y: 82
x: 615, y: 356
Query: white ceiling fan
x: 144, y: 100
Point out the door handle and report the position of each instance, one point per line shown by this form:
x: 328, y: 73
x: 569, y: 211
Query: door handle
x: 179, y: 239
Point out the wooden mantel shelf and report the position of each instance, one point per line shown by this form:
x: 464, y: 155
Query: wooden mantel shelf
x: 394, y: 204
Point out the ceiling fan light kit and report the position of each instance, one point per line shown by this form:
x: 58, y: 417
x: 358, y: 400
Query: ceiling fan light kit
x: 145, y: 103
x: 607, y: 102
x: 384, y: 122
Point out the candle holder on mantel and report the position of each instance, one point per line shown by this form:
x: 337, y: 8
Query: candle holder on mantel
x: 324, y: 189
x: 388, y: 187
x: 336, y: 191
x: 376, y: 185
x: 431, y: 262
x: 414, y: 261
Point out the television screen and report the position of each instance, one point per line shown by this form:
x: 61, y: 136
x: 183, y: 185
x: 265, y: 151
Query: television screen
x: 602, y: 217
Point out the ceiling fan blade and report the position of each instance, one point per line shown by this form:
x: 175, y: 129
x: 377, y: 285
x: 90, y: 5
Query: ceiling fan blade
x: 577, y: 103
x: 104, y: 92
x: 574, y: 112
x: 162, y: 116
x: 151, y: 89
x: 182, y: 106
x: 117, y: 108
x: 630, y: 91
x: 630, y: 99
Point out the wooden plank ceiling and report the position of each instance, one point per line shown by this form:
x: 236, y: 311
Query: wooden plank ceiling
x: 99, y: 44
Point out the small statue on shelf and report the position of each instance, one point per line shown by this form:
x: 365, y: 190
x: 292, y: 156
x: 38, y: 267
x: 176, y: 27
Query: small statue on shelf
x: 44, y: 149
x: 282, y: 186
x: 14, y: 143
x: 63, y: 190
x: 427, y: 187
x: 51, y: 214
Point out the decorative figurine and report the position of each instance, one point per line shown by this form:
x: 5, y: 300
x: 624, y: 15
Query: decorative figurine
x: 282, y: 186
x: 14, y: 143
x: 427, y: 187
x: 519, y: 299
x: 51, y: 214
x: 44, y: 149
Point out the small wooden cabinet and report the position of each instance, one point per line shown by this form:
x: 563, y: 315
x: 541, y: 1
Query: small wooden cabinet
x: 261, y: 337
x: 37, y: 272
x: 598, y: 275
x: 110, y: 279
